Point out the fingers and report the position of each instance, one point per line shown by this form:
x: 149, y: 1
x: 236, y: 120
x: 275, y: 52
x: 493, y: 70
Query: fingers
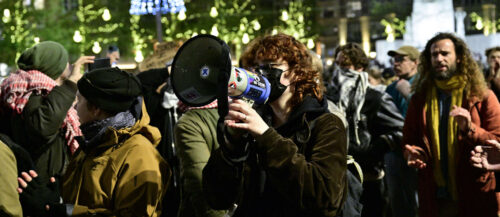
x: 460, y: 112
x: 235, y: 115
x: 240, y: 105
x: 478, y: 149
x: 85, y: 59
x: 493, y: 143
x: 26, y: 177
x: 33, y: 173
x: 21, y: 182
x: 418, y: 164
x: 476, y: 160
x: 412, y: 149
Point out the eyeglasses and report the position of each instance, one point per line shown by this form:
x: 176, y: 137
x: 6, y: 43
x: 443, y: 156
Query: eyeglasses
x: 398, y: 59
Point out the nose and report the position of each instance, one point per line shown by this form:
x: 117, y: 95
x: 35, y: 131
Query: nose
x: 440, y: 58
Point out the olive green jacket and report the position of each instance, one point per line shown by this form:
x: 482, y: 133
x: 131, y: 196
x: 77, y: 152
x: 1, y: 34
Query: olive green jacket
x: 195, y: 140
x: 124, y: 176
x: 38, y: 129
x: 9, y: 198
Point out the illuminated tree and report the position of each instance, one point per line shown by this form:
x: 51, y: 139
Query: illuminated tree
x: 295, y: 22
x: 95, y: 27
x: 15, y: 33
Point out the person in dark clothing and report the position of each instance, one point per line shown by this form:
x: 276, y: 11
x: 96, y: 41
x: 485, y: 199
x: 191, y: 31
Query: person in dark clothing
x: 492, y: 73
x: 161, y: 105
x: 36, y: 106
x: 375, y: 124
x: 291, y: 157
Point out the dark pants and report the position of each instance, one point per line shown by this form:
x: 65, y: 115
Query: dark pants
x: 373, y: 199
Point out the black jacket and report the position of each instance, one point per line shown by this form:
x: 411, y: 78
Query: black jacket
x: 379, y: 129
x: 294, y: 170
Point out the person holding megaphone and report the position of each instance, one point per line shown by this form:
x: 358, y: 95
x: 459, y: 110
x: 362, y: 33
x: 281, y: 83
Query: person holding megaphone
x: 288, y: 156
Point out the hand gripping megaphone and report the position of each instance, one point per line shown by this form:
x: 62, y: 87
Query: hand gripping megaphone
x: 202, y: 69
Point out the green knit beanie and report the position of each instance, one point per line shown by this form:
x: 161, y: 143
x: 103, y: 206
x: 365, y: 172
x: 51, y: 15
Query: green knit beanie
x: 48, y: 57
x: 110, y: 89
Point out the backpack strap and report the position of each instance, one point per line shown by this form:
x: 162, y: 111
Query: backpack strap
x: 350, y: 160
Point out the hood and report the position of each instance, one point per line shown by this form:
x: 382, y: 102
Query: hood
x: 308, y: 110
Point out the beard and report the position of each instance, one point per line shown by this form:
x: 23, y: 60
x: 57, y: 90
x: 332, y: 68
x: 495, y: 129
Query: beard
x: 447, y: 74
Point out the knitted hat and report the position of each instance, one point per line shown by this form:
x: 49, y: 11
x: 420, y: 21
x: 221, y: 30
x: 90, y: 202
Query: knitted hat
x: 406, y: 50
x: 110, y: 89
x: 48, y: 57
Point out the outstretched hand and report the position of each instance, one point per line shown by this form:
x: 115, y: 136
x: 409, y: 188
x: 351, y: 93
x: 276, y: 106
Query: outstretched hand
x: 479, y: 156
x: 414, y: 156
x: 243, y: 116
x: 462, y: 117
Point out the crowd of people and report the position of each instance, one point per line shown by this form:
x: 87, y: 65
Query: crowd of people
x: 333, y: 141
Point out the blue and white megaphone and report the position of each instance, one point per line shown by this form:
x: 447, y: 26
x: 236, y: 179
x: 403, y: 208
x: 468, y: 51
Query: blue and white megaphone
x: 196, y: 74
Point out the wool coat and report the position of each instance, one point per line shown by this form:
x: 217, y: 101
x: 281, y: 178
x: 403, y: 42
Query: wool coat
x: 476, y: 196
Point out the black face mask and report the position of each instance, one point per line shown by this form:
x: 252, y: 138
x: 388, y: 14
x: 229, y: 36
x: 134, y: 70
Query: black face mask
x: 274, y: 77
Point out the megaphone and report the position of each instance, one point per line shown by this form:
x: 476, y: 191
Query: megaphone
x: 198, y: 65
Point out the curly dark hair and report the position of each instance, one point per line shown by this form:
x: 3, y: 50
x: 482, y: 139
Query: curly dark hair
x: 354, y: 56
x: 285, y: 47
x: 466, y: 65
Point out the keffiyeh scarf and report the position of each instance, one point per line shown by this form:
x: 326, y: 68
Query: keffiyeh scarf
x: 16, y: 90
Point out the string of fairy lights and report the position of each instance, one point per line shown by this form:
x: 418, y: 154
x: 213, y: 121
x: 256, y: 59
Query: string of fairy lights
x: 294, y: 24
x: 176, y: 21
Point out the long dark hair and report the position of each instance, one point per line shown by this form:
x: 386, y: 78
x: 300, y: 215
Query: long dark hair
x: 466, y: 65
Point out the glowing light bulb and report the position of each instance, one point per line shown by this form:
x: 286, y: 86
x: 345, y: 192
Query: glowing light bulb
x: 310, y: 44
x: 96, y: 48
x: 77, y: 37
x: 138, y: 56
x: 284, y: 16
x: 245, y: 38
x: 182, y: 15
x: 213, y: 12
x: 214, y: 31
x: 256, y: 25
x: 106, y: 16
x: 6, y: 15
x: 479, y: 24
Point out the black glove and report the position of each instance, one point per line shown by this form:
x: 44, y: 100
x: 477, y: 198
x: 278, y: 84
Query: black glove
x: 57, y: 209
x: 38, y: 194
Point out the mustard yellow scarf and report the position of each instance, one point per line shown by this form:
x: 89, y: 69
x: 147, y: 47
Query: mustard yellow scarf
x: 456, y: 85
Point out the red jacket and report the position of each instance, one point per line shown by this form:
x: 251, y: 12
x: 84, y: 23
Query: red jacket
x: 476, y: 196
